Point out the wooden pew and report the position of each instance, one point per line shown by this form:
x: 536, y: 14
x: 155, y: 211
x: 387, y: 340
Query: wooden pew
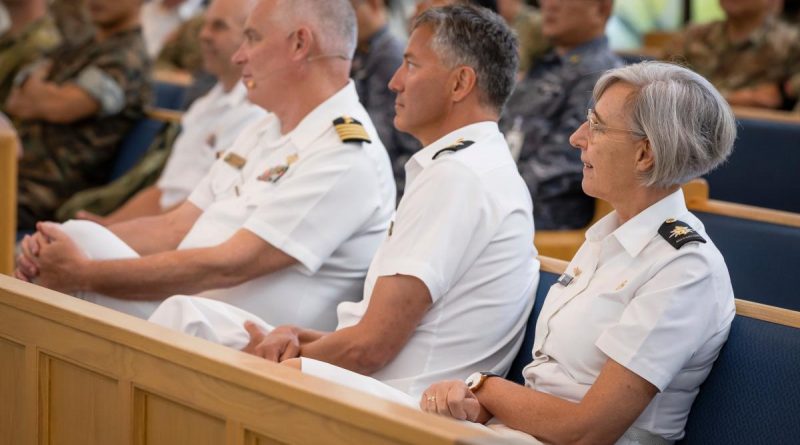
x: 761, y: 246
x: 76, y: 373
x: 8, y: 200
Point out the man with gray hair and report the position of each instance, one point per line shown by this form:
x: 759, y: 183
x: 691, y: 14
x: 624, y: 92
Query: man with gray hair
x: 451, y: 285
x: 287, y: 220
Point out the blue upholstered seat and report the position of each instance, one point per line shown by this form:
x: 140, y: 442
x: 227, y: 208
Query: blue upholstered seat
x: 762, y: 171
x: 546, y: 279
x: 752, y: 395
x: 762, y: 258
x: 168, y: 95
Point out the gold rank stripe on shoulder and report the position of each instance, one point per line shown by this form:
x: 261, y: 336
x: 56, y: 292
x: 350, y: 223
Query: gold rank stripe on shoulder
x: 351, y: 130
x: 235, y: 161
x: 459, y: 144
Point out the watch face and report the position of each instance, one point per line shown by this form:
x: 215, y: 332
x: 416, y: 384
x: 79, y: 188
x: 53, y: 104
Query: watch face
x: 473, y: 380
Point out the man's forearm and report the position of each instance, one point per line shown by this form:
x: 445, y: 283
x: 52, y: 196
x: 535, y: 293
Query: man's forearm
x: 161, y: 233
x: 158, y: 276
x: 346, y: 349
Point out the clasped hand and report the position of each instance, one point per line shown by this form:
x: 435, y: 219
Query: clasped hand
x: 451, y: 398
x: 50, y: 258
x: 282, y: 343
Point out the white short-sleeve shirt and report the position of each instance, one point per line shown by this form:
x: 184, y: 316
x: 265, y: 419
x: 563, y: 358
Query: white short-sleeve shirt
x: 464, y: 228
x: 208, y: 127
x: 329, y: 210
x: 663, y: 313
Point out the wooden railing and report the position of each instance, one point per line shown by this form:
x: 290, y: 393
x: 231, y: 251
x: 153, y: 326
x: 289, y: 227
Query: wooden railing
x: 76, y: 373
x: 8, y: 200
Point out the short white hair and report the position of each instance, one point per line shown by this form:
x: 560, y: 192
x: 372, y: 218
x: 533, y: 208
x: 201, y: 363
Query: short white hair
x: 690, y: 126
x: 334, y: 20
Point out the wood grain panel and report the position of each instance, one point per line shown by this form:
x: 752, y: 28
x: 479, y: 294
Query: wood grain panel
x: 159, y: 421
x: 77, y: 406
x: 12, y: 369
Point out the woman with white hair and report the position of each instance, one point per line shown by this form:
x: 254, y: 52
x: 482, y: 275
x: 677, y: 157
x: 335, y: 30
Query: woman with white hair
x: 630, y: 331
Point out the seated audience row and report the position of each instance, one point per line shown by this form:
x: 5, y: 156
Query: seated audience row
x: 282, y: 228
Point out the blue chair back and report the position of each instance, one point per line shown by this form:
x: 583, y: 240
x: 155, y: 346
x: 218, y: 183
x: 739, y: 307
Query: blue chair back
x: 134, y: 146
x: 524, y: 357
x: 762, y: 171
x: 762, y: 258
x: 168, y: 95
x: 752, y: 395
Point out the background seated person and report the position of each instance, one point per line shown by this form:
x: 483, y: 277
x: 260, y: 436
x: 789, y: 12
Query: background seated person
x: 285, y: 223
x: 31, y: 34
x: 631, y: 330
x: 550, y: 102
x: 208, y: 128
x: 458, y: 254
x: 747, y: 56
x: 74, y: 108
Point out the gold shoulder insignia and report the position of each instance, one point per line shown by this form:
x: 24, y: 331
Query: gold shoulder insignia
x: 459, y: 144
x: 351, y: 130
x: 677, y: 233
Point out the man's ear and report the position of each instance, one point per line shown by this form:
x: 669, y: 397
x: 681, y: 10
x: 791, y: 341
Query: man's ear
x: 464, y: 81
x: 645, y: 159
x: 301, y: 40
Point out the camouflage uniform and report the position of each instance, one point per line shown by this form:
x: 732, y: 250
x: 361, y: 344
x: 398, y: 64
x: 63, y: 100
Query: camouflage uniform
x: 61, y: 159
x: 764, y: 57
x: 20, y: 50
x: 72, y: 19
x: 371, y: 72
x: 106, y: 198
x: 546, y: 108
x: 182, y: 51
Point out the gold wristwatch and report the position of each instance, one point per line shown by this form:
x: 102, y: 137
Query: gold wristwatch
x: 476, y: 380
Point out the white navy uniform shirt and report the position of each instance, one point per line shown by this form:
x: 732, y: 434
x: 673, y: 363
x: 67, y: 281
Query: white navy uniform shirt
x: 661, y: 312
x: 329, y: 210
x: 464, y: 227
x: 209, y: 126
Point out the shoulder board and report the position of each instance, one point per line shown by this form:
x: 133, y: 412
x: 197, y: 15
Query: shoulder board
x: 351, y: 130
x: 677, y: 233
x: 458, y: 145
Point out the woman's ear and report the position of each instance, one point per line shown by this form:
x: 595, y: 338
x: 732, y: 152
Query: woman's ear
x: 645, y: 160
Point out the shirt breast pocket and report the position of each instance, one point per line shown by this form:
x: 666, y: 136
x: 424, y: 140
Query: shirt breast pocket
x: 225, y: 181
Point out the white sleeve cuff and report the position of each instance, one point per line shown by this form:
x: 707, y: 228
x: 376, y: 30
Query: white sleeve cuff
x: 279, y: 240
x: 414, y: 268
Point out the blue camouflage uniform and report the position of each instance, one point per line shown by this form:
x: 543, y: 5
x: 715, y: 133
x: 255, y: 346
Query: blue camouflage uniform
x: 547, y: 106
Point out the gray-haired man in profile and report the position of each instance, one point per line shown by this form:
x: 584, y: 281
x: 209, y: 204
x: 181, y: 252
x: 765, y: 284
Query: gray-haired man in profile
x: 451, y: 286
x: 287, y: 220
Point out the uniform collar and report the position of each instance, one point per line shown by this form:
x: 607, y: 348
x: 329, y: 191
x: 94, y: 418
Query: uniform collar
x: 472, y: 132
x: 423, y: 158
x: 756, y: 38
x: 233, y: 98
x: 576, y: 55
x: 637, y: 232
x: 320, y: 120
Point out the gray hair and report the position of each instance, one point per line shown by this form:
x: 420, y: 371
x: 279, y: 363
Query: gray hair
x: 478, y: 38
x: 335, y: 20
x: 690, y: 126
